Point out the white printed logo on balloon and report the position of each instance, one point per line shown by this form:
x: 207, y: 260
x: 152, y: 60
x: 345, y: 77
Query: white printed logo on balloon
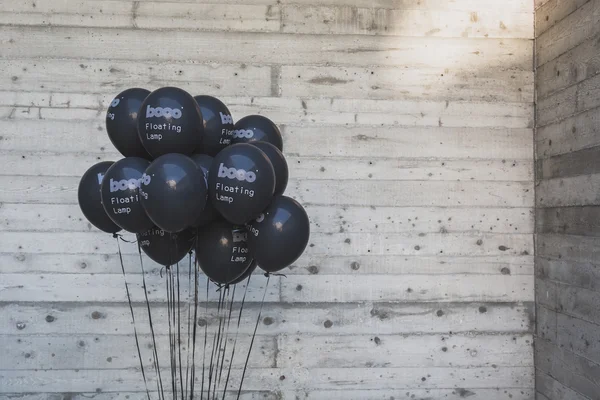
x: 160, y: 112
x: 243, y: 133
x: 123, y: 184
x: 239, y: 253
x: 130, y: 184
x: 234, y: 174
x: 254, y: 231
x: 238, y: 174
x: 166, y: 112
x: 239, y: 236
x: 226, y: 119
x: 153, y: 231
x: 114, y: 103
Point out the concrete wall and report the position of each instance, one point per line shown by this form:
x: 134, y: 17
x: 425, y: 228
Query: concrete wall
x: 567, y: 187
x: 408, y: 127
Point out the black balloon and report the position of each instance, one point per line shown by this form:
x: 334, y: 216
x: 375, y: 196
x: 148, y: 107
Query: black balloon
x: 209, y: 213
x: 173, y: 192
x: 257, y: 128
x: 166, y: 248
x: 120, y: 194
x: 279, y: 235
x: 122, y: 122
x: 245, y: 275
x: 218, y: 124
x: 279, y: 164
x: 90, y: 202
x: 170, y: 121
x: 241, y: 182
x: 222, y: 252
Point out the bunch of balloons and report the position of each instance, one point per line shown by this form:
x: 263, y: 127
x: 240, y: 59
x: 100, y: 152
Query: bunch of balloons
x: 193, y: 179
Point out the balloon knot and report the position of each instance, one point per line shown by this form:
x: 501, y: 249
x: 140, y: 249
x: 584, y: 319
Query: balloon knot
x: 221, y: 286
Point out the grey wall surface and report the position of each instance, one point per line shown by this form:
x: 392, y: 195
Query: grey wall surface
x: 567, y: 199
x: 408, y: 127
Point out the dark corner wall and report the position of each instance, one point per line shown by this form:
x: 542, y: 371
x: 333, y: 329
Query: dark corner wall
x: 567, y: 57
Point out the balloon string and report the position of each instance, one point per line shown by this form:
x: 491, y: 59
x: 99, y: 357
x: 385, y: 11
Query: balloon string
x: 219, y: 338
x: 172, y: 319
x: 193, y: 372
x: 179, y: 329
x: 187, y: 363
x: 169, y: 319
x: 210, y: 363
x: 119, y: 236
x: 224, y: 332
x: 236, y: 336
x: 253, y: 336
x: 167, y: 274
x: 216, y: 346
x: 205, y: 340
x: 174, y: 316
x: 215, y: 341
x: 226, y: 336
x: 137, y: 342
x: 275, y: 274
x: 159, y: 383
x: 218, y: 365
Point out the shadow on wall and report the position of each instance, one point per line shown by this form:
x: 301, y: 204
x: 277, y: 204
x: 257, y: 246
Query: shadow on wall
x: 408, y: 127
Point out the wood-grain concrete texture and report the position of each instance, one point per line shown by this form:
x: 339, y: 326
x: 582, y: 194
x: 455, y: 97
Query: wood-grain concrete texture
x: 567, y: 186
x: 408, y: 127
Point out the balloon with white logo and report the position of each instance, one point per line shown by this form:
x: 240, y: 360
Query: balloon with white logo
x: 122, y: 122
x: 254, y: 128
x: 222, y: 251
x: 241, y: 182
x: 279, y: 164
x: 166, y: 248
x: 279, y: 236
x: 173, y: 192
x: 170, y: 121
x: 209, y: 213
x: 121, y: 196
x: 218, y: 125
x: 88, y: 195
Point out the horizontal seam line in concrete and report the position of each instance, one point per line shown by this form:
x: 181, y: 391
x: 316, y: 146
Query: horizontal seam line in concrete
x: 272, y: 32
